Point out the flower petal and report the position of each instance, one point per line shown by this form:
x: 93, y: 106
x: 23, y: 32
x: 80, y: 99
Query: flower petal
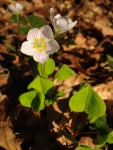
x: 27, y: 48
x: 52, y: 47
x: 32, y: 34
x: 41, y: 57
x: 57, y: 16
x: 51, y: 14
x: 47, y: 31
x: 62, y: 22
x: 69, y: 20
x: 19, y: 7
x: 71, y: 25
x: 11, y: 8
x: 55, y: 21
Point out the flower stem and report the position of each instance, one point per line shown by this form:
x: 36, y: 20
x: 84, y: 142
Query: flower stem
x: 43, y: 69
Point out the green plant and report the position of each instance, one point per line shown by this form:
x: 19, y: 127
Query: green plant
x: 41, y: 92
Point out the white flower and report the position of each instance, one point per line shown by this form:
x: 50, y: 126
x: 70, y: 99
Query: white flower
x: 16, y: 9
x: 61, y: 24
x: 40, y: 44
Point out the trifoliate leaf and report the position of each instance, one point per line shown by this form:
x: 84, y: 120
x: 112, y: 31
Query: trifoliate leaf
x: 24, y: 29
x: 39, y: 102
x: 110, y: 138
x: 36, y: 21
x: 26, y: 99
x: 64, y: 73
x: 95, y: 106
x: 21, y: 19
x: 18, y: 19
x: 47, y: 68
x: 14, y: 18
x: 41, y: 85
x: 77, y: 102
x: 89, y: 101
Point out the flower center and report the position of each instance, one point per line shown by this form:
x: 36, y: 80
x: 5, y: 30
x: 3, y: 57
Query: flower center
x: 40, y: 44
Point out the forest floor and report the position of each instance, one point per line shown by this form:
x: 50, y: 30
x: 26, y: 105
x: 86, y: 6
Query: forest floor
x: 21, y: 128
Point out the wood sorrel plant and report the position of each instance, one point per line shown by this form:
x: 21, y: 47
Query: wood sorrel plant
x: 41, y: 92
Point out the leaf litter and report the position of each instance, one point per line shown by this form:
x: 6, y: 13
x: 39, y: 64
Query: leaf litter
x: 20, y: 127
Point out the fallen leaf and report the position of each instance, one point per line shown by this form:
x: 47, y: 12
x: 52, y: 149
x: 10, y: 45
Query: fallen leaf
x: 7, y: 138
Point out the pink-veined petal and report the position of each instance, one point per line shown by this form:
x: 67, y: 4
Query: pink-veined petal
x: 32, y: 34
x: 27, y: 48
x: 47, y: 31
x: 70, y: 26
x: 41, y: 57
x: 52, y: 47
x: 62, y: 22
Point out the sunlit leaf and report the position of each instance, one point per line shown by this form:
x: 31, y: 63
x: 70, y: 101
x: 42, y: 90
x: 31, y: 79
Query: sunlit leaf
x: 47, y: 68
x: 89, y: 101
x: 41, y: 85
x: 97, y: 120
x: 26, y: 99
x: 60, y: 93
x: 83, y: 85
x: 95, y: 106
x: 110, y: 138
x: 49, y: 102
x: 64, y: 73
x: 77, y: 102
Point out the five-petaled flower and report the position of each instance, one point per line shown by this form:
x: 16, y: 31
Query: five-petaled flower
x: 16, y: 9
x: 40, y: 44
x: 61, y: 24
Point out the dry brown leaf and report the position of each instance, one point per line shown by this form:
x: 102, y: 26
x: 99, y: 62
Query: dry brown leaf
x: 75, y: 80
x: 105, y: 90
x: 7, y: 138
x: 4, y: 76
x: 105, y: 26
x: 88, y: 142
x: 81, y: 40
